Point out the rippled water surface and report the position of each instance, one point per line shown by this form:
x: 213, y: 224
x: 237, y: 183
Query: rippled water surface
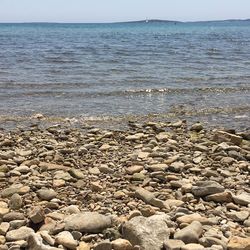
x: 127, y: 68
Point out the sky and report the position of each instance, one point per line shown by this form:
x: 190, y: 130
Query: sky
x: 121, y: 10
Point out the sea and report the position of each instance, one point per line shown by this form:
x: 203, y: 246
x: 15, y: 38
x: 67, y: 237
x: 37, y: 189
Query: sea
x: 174, y: 70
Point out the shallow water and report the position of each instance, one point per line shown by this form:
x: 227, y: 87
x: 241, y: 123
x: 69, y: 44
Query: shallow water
x: 91, y: 70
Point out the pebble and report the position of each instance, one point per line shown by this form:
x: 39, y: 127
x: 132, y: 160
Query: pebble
x: 46, y: 194
x: 148, y: 186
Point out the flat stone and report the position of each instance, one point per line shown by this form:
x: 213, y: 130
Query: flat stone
x: 16, y: 188
x: 46, y: 194
x: 134, y: 169
x: 3, y: 211
x: 148, y: 233
x: 192, y: 246
x: 135, y: 137
x: 94, y: 171
x: 4, y: 227
x: 83, y: 246
x: 242, y: 199
x: 220, y: 197
x: 238, y: 216
x: 66, y: 239
x: 76, y: 173
x: 173, y: 244
x: 88, y: 222
x: 210, y: 241
x: 238, y: 243
x: 62, y: 175
x: 11, y: 216
x: 21, y: 233
x: 35, y: 242
x: 103, y: 245
x: 203, y: 188
x: 192, y: 217
x: 163, y: 136
x: 144, y: 195
x: 190, y: 234
x: 51, y: 166
x: 121, y: 244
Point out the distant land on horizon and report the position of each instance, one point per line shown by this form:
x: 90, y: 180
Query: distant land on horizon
x: 136, y: 21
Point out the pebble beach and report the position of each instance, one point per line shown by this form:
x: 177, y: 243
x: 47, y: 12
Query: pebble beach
x: 151, y: 186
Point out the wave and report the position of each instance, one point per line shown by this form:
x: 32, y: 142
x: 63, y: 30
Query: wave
x: 59, y: 90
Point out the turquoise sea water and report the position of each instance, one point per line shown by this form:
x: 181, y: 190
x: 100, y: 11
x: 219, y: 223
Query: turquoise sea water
x: 139, y: 68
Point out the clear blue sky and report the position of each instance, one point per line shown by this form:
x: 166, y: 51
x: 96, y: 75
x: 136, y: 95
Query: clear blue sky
x: 121, y: 10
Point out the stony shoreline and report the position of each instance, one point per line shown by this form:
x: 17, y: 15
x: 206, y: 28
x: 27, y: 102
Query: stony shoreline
x: 153, y: 186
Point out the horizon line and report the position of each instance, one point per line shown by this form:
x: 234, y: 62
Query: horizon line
x: 117, y: 22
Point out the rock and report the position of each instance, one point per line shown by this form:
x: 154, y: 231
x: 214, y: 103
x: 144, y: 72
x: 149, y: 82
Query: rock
x: 242, y: 199
x: 192, y: 217
x: 83, y: 246
x: 190, y: 234
x: 21, y: 233
x: 163, y: 136
x: 203, y: 188
x: 176, y: 166
x: 173, y: 244
x: 134, y: 169
x: 13, y: 216
x: 3, y: 211
x: 220, y: 197
x: 103, y: 245
x: 2, y: 240
x: 192, y: 246
x: 95, y: 186
x: 35, y: 242
x: 88, y: 222
x: 16, y: 188
x: 197, y: 127
x: 46, y: 194
x: 47, y: 238
x: 238, y: 243
x: 238, y: 216
x: 15, y: 202
x: 138, y: 177
x: 66, y: 239
x: 94, y: 171
x: 137, y: 136
x: 72, y: 209
x: 36, y: 215
x: 223, y: 136
x: 76, y: 173
x: 4, y: 227
x: 144, y: 195
x: 210, y: 241
x: 149, y: 198
x: 121, y: 244
x: 148, y: 233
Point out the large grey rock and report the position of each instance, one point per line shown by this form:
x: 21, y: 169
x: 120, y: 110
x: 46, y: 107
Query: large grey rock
x: 203, y: 188
x: 190, y: 234
x: 19, y: 234
x: 88, y: 222
x: 148, y: 233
